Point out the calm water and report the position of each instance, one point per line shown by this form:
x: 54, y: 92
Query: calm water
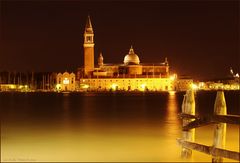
x: 103, y: 127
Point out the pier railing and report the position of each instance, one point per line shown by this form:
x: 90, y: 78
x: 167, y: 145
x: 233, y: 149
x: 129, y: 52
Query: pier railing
x: 219, y: 119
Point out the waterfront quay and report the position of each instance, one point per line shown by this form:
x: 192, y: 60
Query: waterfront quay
x: 59, y: 82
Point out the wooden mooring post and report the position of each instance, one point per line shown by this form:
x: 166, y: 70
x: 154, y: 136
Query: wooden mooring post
x: 188, y: 107
x: 219, y: 118
x: 219, y: 139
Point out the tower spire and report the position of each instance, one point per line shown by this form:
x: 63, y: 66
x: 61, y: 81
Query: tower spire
x: 88, y: 27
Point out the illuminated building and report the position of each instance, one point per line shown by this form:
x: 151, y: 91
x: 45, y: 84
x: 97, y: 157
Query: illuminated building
x: 65, y: 82
x: 127, y: 76
x: 183, y: 84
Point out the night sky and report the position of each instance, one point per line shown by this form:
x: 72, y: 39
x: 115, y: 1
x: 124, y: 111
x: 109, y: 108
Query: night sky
x: 200, y: 38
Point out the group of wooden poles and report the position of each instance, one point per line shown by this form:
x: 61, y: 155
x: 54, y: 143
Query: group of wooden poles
x: 220, y: 119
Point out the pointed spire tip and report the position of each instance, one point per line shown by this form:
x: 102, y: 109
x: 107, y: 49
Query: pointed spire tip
x: 88, y: 24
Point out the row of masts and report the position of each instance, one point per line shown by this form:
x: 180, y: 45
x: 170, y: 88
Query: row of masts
x: 44, y: 81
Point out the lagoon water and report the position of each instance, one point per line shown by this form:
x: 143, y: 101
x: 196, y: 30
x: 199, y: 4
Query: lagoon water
x: 104, y: 126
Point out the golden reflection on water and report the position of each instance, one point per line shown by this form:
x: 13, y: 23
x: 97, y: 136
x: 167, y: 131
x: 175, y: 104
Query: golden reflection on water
x: 95, y: 141
x: 172, y: 119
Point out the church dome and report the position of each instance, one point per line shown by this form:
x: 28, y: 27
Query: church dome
x: 131, y: 58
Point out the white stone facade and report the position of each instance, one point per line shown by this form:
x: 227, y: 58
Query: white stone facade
x: 65, y: 82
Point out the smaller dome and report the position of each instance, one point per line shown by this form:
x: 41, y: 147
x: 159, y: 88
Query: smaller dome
x: 131, y: 57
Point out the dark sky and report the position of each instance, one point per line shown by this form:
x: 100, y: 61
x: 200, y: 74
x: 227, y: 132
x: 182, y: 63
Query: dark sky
x: 200, y: 38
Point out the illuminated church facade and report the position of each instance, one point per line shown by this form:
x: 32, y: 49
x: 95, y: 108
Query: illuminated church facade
x: 131, y: 75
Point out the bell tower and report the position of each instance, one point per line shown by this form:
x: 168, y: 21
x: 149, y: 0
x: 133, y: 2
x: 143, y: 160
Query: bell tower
x: 88, y: 46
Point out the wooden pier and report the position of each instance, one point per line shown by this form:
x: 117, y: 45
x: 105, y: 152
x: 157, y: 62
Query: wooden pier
x: 219, y: 119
